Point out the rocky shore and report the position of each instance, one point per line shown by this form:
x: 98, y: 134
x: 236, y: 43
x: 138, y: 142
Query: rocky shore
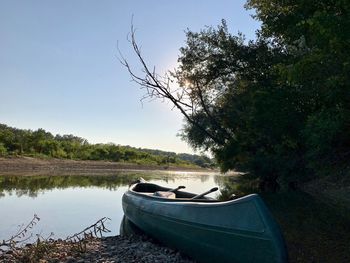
x: 107, y: 249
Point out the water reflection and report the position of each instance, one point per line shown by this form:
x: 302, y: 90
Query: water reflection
x: 67, y: 204
x: 34, y: 185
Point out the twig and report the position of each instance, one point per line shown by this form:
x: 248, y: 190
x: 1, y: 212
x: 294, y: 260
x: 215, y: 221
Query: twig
x: 95, y: 230
x: 21, y: 234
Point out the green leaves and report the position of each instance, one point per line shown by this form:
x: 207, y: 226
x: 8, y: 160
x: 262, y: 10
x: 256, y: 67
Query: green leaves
x: 282, y: 102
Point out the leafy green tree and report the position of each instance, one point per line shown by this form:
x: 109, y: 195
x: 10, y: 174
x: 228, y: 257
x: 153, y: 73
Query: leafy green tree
x: 3, y: 150
x: 115, y: 153
x: 277, y: 107
x: 316, y: 37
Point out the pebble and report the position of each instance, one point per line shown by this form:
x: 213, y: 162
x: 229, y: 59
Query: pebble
x: 114, y: 249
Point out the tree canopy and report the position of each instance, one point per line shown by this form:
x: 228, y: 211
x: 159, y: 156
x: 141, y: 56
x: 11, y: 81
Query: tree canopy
x: 278, y: 106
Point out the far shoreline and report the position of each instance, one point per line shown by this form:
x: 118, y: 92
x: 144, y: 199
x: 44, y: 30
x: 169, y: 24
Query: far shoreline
x: 30, y: 166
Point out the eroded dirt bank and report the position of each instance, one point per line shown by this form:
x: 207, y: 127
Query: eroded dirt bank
x: 36, y: 166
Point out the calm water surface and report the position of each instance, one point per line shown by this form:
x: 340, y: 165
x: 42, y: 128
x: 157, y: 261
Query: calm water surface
x: 68, y: 204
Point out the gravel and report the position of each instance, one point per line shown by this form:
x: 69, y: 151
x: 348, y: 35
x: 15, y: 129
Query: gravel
x: 107, y: 250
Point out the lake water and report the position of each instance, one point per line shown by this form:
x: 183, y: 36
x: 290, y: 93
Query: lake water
x: 68, y: 204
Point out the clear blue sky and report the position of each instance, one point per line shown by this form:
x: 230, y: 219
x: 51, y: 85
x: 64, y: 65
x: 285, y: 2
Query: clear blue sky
x: 59, y: 68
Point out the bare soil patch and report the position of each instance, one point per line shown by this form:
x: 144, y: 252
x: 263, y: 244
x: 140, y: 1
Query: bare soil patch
x: 35, y: 166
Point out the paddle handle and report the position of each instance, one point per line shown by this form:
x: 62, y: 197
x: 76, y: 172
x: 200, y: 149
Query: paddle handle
x: 140, y: 180
x: 177, y: 188
x: 205, y: 193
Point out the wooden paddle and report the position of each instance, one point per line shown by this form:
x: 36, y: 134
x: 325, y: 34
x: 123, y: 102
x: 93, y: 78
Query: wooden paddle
x: 177, y: 188
x: 205, y: 193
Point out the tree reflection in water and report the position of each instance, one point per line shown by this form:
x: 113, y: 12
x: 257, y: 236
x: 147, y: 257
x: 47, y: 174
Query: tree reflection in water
x: 33, y: 185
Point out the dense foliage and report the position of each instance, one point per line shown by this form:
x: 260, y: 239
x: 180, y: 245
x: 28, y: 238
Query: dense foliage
x: 280, y: 103
x: 44, y: 144
x: 278, y: 106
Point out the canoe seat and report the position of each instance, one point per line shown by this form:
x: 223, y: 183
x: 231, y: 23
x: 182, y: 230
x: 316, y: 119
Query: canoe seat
x: 165, y: 194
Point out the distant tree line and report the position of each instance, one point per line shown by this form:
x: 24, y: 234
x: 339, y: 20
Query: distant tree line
x: 40, y: 143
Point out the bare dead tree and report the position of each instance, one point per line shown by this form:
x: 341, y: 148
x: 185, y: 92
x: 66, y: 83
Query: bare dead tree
x: 163, y: 88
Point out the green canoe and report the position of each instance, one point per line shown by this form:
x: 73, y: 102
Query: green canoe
x: 208, y: 230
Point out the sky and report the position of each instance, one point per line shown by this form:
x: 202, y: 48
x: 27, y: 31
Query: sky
x: 59, y: 67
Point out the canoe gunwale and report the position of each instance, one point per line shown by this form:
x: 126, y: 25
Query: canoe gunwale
x: 205, y: 200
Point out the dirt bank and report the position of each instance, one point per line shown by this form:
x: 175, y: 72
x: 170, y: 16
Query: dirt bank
x: 36, y: 166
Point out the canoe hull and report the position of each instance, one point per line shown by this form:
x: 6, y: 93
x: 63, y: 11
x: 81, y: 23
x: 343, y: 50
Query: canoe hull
x: 241, y: 230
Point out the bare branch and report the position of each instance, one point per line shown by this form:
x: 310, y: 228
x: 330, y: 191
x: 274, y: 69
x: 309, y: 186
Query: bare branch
x: 159, y: 87
x: 208, y: 113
